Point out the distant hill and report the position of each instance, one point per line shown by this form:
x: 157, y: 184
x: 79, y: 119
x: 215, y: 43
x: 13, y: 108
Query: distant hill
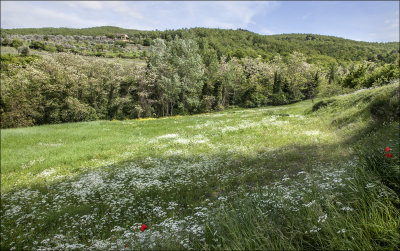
x: 241, y: 43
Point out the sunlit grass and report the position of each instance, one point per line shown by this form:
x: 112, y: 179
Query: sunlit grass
x: 71, y: 148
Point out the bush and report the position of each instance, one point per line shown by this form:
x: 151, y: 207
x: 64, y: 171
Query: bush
x: 60, y: 48
x: 5, y: 42
x: 37, y: 45
x: 100, y: 54
x: 147, y: 42
x: 16, y: 43
x: 121, y: 43
x: 23, y: 50
x: 50, y: 48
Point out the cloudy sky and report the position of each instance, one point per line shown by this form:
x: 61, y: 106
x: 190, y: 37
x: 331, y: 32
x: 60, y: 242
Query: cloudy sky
x: 358, y: 20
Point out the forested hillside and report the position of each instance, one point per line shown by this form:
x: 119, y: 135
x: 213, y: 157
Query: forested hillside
x: 238, y: 43
x: 64, y: 75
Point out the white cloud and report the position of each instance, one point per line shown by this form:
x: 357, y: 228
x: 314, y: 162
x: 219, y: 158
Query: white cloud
x: 389, y: 31
x: 265, y: 31
x: 94, y: 5
x: 20, y: 15
x: 225, y: 14
x: 136, y: 15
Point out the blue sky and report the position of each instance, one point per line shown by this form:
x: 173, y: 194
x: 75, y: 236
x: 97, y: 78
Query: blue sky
x: 358, y: 20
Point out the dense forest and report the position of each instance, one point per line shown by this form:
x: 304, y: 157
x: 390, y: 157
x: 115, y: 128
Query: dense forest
x: 89, y: 74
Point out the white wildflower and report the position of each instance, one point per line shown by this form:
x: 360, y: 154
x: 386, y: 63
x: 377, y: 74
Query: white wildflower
x: 347, y: 209
x: 168, y: 136
x: 341, y: 231
x: 309, y: 204
x: 322, y: 218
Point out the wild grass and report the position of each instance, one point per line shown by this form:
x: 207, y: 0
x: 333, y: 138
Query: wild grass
x: 268, y: 178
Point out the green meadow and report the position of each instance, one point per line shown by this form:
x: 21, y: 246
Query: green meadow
x: 309, y: 175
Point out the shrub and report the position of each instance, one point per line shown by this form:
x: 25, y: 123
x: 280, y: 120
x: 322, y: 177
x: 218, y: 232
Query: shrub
x: 16, y: 43
x: 37, y: 45
x: 100, y: 54
x: 5, y: 42
x: 121, y: 43
x: 111, y: 36
x: 147, y: 42
x: 60, y: 48
x: 23, y: 50
x: 50, y: 48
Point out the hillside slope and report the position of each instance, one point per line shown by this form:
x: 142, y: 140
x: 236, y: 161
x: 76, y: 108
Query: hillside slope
x: 241, y: 43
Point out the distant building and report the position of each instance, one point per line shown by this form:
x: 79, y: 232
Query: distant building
x: 123, y: 37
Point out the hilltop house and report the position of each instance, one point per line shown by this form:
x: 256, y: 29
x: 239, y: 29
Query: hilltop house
x: 123, y: 37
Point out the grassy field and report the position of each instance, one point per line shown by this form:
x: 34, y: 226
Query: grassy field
x: 287, y: 177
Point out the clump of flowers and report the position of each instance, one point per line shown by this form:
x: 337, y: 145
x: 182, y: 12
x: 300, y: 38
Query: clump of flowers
x: 143, y: 227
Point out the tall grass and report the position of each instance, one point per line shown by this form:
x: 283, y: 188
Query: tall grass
x: 352, y: 206
x: 269, y: 178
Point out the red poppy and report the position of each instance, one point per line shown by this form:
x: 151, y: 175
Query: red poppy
x: 143, y: 227
x: 387, y: 149
x: 388, y: 155
x: 126, y: 245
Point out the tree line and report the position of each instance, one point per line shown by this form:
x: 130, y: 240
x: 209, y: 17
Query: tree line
x: 180, y: 76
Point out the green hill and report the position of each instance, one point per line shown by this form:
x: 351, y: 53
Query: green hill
x: 175, y: 72
x: 241, y: 43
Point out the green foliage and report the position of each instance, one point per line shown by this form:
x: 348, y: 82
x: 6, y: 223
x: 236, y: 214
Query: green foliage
x: 328, y: 90
x: 385, y: 107
x: 197, y: 70
x: 178, y: 72
x: 121, y: 43
x: 23, y: 50
x: 386, y: 169
x: 50, y: 48
x: 377, y: 107
x: 60, y: 48
x: 16, y: 43
x: 381, y: 76
x: 110, y: 35
x: 8, y: 60
x: 37, y: 45
x: 321, y: 104
x: 147, y: 42
x: 367, y: 75
x: 242, y: 43
x: 61, y: 88
x: 5, y: 42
